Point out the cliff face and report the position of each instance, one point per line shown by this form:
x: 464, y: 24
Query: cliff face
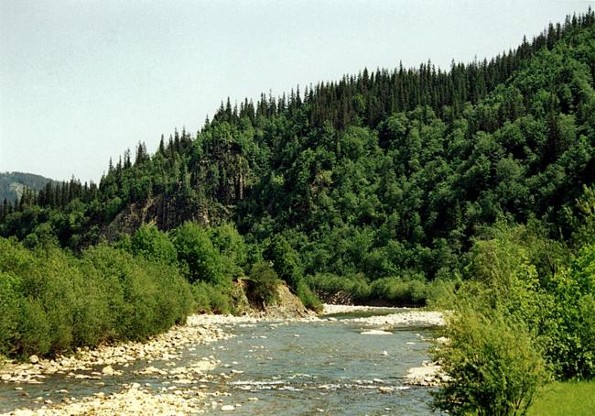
x: 158, y: 211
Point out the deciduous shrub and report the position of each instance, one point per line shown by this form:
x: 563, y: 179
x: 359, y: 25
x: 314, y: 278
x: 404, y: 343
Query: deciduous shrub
x: 492, y: 366
x: 262, y: 284
x: 197, y: 256
x: 51, y: 301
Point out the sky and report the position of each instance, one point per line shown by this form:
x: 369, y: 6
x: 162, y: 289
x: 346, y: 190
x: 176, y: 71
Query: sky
x: 83, y: 80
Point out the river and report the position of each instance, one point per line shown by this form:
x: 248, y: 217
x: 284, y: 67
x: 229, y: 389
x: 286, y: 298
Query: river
x: 338, y: 365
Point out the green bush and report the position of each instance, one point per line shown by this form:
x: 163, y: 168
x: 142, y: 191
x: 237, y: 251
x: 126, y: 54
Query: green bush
x: 200, y: 294
x: 492, y: 367
x: 209, y: 299
x: 262, y: 284
x: 51, y: 302
x: 286, y: 261
x: 230, y: 244
x: 154, y: 245
x: 328, y: 285
x: 399, y: 292
x: 568, y: 331
x: 308, y: 297
x: 197, y: 256
x: 34, y: 335
x: 11, y: 300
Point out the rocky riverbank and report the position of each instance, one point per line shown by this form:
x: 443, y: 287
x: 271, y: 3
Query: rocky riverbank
x: 185, y: 389
x: 112, y: 360
x: 404, y: 317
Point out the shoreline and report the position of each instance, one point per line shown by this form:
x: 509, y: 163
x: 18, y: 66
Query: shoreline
x: 400, y: 317
x: 133, y: 399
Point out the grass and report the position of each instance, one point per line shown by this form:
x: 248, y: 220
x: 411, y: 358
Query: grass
x: 572, y: 398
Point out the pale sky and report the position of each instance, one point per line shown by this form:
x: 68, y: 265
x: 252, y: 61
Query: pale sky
x: 83, y: 80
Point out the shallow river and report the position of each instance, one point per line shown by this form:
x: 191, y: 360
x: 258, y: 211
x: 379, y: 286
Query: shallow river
x: 295, y: 368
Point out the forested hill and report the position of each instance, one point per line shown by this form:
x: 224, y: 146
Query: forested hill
x: 387, y: 173
x: 13, y: 185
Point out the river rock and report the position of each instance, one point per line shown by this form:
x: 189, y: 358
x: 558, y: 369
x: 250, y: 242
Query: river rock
x: 376, y: 332
x: 108, y: 370
x: 34, y: 359
x: 228, y: 407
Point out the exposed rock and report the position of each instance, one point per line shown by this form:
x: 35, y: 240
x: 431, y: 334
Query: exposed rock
x: 428, y: 375
x: 376, y: 332
x: 107, y: 371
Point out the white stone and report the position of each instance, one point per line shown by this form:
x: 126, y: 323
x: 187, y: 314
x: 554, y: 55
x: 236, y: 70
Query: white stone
x: 376, y: 332
x: 107, y: 370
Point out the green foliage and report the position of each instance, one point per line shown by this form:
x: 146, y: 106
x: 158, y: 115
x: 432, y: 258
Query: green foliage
x: 210, y: 299
x: 200, y: 260
x: 509, y: 310
x: 308, y: 297
x: 492, y: 365
x: 503, y: 279
x: 263, y: 284
x: 232, y: 248
x: 333, y: 288
x: 568, y: 332
x: 584, y: 220
x: 154, y: 245
x: 399, y: 292
x: 34, y: 335
x: 286, y: 261
x: 11, y: 301
x: 53, y: 302
x: 410, y: 290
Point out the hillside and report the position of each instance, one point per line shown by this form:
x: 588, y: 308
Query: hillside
x: 12, y: 184
x: 380, y: 174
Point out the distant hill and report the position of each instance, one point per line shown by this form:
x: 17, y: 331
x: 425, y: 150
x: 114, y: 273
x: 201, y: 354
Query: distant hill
x: 13, y: 183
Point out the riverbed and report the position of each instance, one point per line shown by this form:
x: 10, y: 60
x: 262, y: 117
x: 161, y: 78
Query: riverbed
x: 347, y: 362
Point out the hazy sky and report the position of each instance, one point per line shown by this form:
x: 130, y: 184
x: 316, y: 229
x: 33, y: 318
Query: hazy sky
x: 82, y: 80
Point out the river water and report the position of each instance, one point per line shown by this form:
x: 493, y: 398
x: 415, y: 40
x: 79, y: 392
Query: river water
x: 331, y: 366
